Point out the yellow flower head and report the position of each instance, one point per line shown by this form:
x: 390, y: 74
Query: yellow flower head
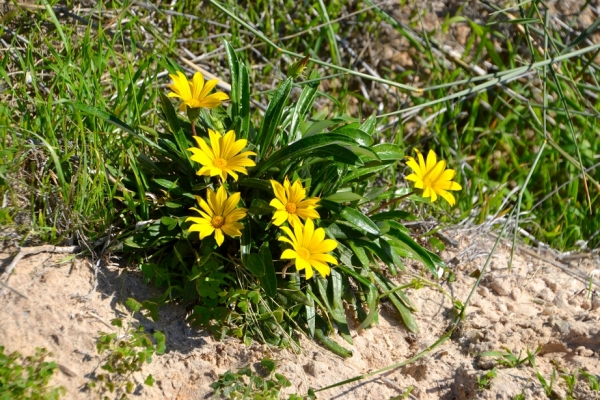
x: 219, y: 215
x: 290, y: 204
x: 433, y: 177
x: 221, y: 157
x: 309, y: 248
x: 194, y: 94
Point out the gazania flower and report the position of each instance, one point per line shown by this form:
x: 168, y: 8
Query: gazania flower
x: 433, y: 177
x: 290, y: 203
x: 221, y: 157
x: 219, y: 215
x: 309, y: 248
x: 194, y: 94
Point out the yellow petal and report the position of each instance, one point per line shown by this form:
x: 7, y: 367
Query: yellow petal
x: 431, y: 160
x: 219, y: 238
x: 279, y: 191
x: 447, y: 196
x: 197, y: 85
x: 231, y: 203
x: 288, y: 253
x: 208, y: 86
x: 323, y: 269
x: 279, y: 217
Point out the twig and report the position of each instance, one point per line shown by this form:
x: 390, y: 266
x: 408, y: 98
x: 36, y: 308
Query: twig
x: 14, y: 290
x: 27, y: 251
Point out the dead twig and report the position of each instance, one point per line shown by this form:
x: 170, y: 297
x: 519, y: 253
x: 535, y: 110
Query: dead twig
x: 27, y: 251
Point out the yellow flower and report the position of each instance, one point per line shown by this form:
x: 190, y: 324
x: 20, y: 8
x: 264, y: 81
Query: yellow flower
x: 310, y: 248
x: 222, y: 157
x: 219, y: 215
x: 433, y: 177
x: 290, y: 204
x: 194, y: 94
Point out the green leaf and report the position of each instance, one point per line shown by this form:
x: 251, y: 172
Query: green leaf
x: 362, y: 173
x: 368, y: 126
x: 343, y: 197
x: 269, y: 364
x: 269, y: 280
x: 149, y: 380
x: 331, y: 344
x: 255, y: 264
x: 234, y: 69
x: 170, y: 112
x: 405, y: 240
x: 301, y: 148
x: 360, y: 221
x: 388, y: 151
x: 272, y: 118
x: 303, y: 105
x: 260, y: 207
x: 115, y: 121
x: 405, y: 314
x: 244, y: 87
x: 133, y: 304
x: 391, y: 215
x: 359, y: 136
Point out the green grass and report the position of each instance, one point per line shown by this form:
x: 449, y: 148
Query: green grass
x: 60, y: 165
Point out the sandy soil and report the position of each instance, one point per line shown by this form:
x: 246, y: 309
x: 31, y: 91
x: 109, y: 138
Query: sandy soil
x: 535, y: 304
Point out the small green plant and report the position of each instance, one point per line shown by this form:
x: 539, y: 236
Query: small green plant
x: 548, y: 386
x: 509, y: 359
x: 249, y: 384
x: 520, y: 396
x: 592, y: 380
x: 570, y: 380
x: 484, y: 381
x: 128, y: 350
x: 27, y: 378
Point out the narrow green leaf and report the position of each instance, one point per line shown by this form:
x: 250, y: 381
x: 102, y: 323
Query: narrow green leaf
x: 272, y: 118
x: 115, y: 121
x: 255, y: 264
x: 388, y: 151
x: 391, y: 215
x: 331, y: 344
x: 359, y: 136
x: 405, y: 314
x: 343, y: 197
x: 360, y: 221
x: 301, y: 148
x: 244, y: 87
x: 368, y: 126
x: 234, y: 69
x: 269, y: 280
x: 170, y: 112
x: 303, y: 105
x: 422, y: 254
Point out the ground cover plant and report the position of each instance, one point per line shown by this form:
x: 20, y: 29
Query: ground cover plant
x: 94, y: 152
x: 28, y: 377
x: 288, y: 215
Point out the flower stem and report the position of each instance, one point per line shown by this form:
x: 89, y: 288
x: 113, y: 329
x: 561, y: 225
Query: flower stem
x: 194, y: 128
x: 389, y: 203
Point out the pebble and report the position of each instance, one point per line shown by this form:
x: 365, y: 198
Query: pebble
x: 586, y: 304
x: 546, y: 294
x: 483, y: 291
x: 552, y: 284
x: 563, y: 326
x: 515, y: 294
x: 584, y: 352
x: 501, y: 286
x: 561, y: 300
